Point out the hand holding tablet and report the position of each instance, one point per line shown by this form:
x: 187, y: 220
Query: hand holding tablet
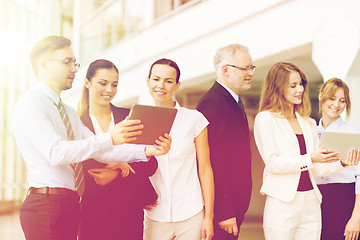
x: 352, y: 158
x: 346, y: 143
x: 156, y: 121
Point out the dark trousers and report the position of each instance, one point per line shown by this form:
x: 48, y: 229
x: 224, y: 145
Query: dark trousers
x: 133, y: 230
x: 50, y: 217
x: 336, y: 209
x: 220, y: 234
x: 110, y: 223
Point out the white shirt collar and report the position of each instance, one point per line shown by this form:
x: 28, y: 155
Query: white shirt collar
x: 96, y: 125
x: 334, y: 126
x: 338, y: 124
x: 48, y: 92
x: 177, y: 105
x: 235, y: 96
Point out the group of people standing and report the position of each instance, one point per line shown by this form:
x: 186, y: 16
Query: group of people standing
x: 195, y: 182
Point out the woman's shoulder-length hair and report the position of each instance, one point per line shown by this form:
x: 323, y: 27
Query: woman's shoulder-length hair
x: 273, y: 91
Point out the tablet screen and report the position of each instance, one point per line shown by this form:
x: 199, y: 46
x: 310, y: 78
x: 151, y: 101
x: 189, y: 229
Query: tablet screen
x: 340, y: 141
x: 156, y: 120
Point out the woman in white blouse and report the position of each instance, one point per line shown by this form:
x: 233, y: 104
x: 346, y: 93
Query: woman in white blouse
x: 340, y: 216
x: 184, y: 179
x: 288, y: 143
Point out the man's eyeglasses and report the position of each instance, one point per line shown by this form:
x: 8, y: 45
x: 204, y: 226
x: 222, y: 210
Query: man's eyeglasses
x: 252, y: 68
x: 71, y: 64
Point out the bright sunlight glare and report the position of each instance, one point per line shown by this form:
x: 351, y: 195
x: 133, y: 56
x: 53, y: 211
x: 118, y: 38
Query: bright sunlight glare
x: 8, y: 47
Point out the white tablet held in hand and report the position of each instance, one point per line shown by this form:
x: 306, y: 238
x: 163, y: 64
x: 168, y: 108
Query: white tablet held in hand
x: 341, y: 142
x: 156, y: 120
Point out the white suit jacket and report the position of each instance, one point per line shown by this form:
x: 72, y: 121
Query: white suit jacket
x: 280, y: 151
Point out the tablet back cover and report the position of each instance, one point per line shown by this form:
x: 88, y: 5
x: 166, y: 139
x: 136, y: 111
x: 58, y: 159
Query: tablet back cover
x: 156, y: 120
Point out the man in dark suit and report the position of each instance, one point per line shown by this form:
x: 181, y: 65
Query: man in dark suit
x: 229, y: 139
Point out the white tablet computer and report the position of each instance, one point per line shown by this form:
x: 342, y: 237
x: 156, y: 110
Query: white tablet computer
x: 340, y: 141
x: 156, y: 120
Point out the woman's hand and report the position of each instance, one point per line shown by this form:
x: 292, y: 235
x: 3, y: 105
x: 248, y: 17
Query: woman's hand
x: 161, y: 147
x: 151, y: 206
x: 352, y: 157
x: 324, y: 155
x: 126, y: 131
x: 229, y: 226
x: 207, y: 229
x: 352, y: 229
x: 103, y: 176
x: 125, y: 168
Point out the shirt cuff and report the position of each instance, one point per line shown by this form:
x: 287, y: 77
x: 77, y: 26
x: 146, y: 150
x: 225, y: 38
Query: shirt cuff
x: 140, y: 152
x: 104, y: 142
x: 357, y: 184
x: 307, y: 163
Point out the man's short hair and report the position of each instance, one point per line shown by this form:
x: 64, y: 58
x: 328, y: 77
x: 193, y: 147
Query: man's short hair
x: 47, y: 45
x: 225, y: 54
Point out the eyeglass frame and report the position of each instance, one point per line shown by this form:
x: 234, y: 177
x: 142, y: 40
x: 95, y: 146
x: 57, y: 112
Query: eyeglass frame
x: 70, y: 63
x: 252, y: 68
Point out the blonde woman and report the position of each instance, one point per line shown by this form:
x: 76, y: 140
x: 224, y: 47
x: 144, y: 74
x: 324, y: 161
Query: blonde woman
x: 288, y: 143
x: 340, y: 207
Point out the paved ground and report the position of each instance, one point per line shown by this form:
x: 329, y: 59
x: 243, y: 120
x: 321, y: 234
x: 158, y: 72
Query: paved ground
x: 251, y: 231
x: 10, y: 229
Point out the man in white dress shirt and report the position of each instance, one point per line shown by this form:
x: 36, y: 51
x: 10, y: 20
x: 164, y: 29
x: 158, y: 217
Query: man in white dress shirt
x: 51, y: 208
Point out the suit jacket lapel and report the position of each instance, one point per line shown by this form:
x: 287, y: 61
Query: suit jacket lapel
x: 85, y: 118
x: 243, y: 114
x: 119, y: 113
x: 115, y: 114
x: 285, y: 123
x: 229, y: 99
x: 239, y: 112
x: 308, y: 136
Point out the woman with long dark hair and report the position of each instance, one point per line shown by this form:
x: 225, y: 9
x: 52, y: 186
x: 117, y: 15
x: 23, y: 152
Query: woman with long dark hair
x: 184, y: 179
x: 113, y: 201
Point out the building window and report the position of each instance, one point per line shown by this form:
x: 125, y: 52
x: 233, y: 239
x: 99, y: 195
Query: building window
x: 163, y: 7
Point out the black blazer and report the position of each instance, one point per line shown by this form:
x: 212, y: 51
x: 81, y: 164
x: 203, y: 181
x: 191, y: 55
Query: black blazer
x: 123, y: 195
x: 230, y: 153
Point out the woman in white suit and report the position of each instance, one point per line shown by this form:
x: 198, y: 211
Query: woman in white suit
x: 288, y: 143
